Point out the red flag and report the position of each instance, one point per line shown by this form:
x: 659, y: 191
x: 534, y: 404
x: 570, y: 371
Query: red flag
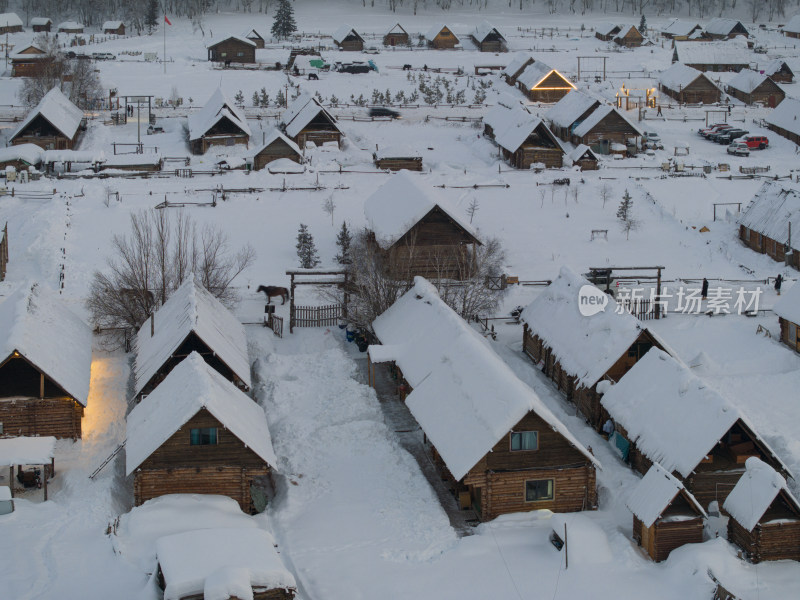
x: 166, y: 20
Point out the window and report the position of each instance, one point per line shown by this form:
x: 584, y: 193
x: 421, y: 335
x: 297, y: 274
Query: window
x: 538, y: 489
x: 240, y: 54
x: 223, y: 54
x: 524, y: 440
x: 203, y: 436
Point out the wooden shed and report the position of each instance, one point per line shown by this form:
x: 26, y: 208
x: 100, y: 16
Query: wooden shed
x: 767, y: 222
x: 665, y: 515
x: 792, y: 28
x: 779, y: 71
x: 54, y: 124
x: 347, y: 38
x: 396, y: 36
x: 233, y: 49
x: 191, y: 320
x: 722, y: 28
x: 10, y: 23
x: 579, y: 352
x: 604, y: 127
x: 650, y: 408
x: 229, y: 563
x: 419, y: 233
x: 397, y: 158
x: 41, y: 24
x: 441, y: 37
x: 523, y: 139
x: 583, y: 157
x: 197, y: 433
x: 753, y: 87
x: 515, y: 68
x: 731, y: 55
x: 276, y: 146
x: 783, y: 120
x: 219, y: 123
x: 70, y: 27
x: 488, y: 39
x: 491, y: 436
x: 306, y: 120
x: 21, y: 157
x: 46, y: 359
x: 114, y: 27
x: 256, y: 38
x: 628, y: 36
x: 688, y: 85
x: 541, y: 83
x: 28, y: 61
x: 787, y: 308
x: 764, y: 515
x: 606, y: 31
x: 569, y: 112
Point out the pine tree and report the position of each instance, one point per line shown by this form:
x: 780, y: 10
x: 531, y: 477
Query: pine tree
x: 306, y: 250
x: 284, y: 24
x: 151, y: 16
x: 255, y: 98
x: 625, y: 215
x: 239, y: 98
x: 643, y: 25
x: 343, y: 241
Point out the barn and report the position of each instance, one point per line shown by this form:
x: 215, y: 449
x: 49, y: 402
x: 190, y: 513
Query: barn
x: 222, y: 563
x: 233, y: 49
x: 606, y: 31
x: 787, y: 308
x: 665, y: 515
x: 41, y: 24
x: 276, y: 146
x: 515, y: 68
x: 680, y: 30
x: 766, y: 223
x: 114, y: 27
x: 488, y: 39
x: 584, y: 157
x: 191, y: 320
x: 54, y: 124
x: 70, y: 27
x: 792, y: 28
x: 347, y: 38
x: 306, y: 120
x: 46, y: 364
x: 523, y: 139
x: 219, y: 123
x: 541, y: 83
x: 255, y: 37
x: 722, y: 28
x: 604, y: 127
x: 663, y: 413
x: 778, y: 71
x: 569, y: 112
x: 10, y: 23
x: 396, y: 36
x: 732, y: 55
x: 688, y: 85
x: 197, y: 433
x: 783, y: 120
x: 441, y: 37
x: 28, y: 61
x: 579, y: 352
x: 419, y: 233
x: 752, y: 87
x: 490, y: 435
x: 628, y: 36
x: 764, y: 515
x: 398, y: 158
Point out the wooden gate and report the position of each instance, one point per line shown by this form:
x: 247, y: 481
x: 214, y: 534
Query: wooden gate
x: 316, y: 316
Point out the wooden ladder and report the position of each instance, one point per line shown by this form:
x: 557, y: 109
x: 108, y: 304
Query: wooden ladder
x: 108, y: 460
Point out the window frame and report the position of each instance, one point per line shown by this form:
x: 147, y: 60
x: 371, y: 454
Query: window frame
x: 511, y: 435
x: 204, y: 433
x: 552, y: 490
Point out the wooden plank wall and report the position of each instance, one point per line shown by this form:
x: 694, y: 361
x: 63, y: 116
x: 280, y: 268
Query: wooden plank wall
x: 59, y: 417
x: 774, y: 541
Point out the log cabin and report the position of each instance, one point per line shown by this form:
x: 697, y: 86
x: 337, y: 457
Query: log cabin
x: 191, y: 320
x: 10, y: 23
x: 22, y: 156
x: 114, y: 27
x: 768, y: 221
x: 792, y: 28
x: 722, y: 28
x: 523, y: 139
x: 717, y: 56
x: 688, y: 85
x: 222, y: 563
x: 70, y: 27
x: 752, y: 87
x: 441, y: 37
x: 46, y: 363
x: 605, y: 128
x: 514, y: 69
x: 233, y: 49
x: 417, y: 232
x: 584, y: 157
x: 764, y: 515
x: 41, y: 24
x: 779, y: 71
x: 493, y: 439
x: 347, y: 38
x: 679, y: 30
x: 787, y: 308
x: 569, y: 112
x: 629, y: 37
x: 606, y: 31
x: 397, y: 158
x: 665, y: 515
x: 197, y: 433
x: 54, y: 124
x: 579, y: 352
x: 219, y: 123
x: 488, y: 39
x: 276, y: 146
x: 783, y: 120
x: 541, y: 83
x: 306, y: 120
x: 256, y: 38
x: 663, y: 413
x: 396, y: 36
x: 29, y: 61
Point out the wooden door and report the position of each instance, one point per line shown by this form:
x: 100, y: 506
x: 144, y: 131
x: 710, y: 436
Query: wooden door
x: 772, y: 103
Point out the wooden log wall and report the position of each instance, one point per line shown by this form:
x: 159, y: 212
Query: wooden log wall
x: 707, y: 486
x: 668, y: 535
x: 397, y: 164
x: 59, y: 417
x: 772, y: 541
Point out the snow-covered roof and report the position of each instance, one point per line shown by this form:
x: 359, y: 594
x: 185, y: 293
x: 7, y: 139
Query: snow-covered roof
x: 23, y: 55
x: 41, y: 21
x: 517, y: 64
x: 217, y: 108
x: 625, y: 30
x: 30, y: 153
x: 723, y: 26
x: 27, y: 450
x: 191, y: 308
x: 772, y: 209
x: 75, y: 156
x: 747, y: 80
x: 512, y: 127
x: 125, y: 160
x: 535, y: 73
x: 112, y: 25
x: 606, y: 28
x: 70, y: 25
x: 788, y: 305
x: 655, y: 492
x: 577, y: 153
x: 598, y: 115
x: 755, y: 491
x: 253, y: 35
x: 673, y: 417
x: 10, y: 20
x: 57, y: 109
x: 793, y: 26
x: 435, y: 29
x: 274, y: 135
x: 570, y: 108
x: 586, y: 347
x: 397, y: 151
x: 679, y: 27
x: 774, y: 66
x: 727, y: 52
x: 465, y: 397
x: 301, y: 112
x: 679, y: 76
x: 35, y: 322
x: 785, y: 115
x: 343, y: 32
x: 238, y: 38
x: 396, y: 28
x: 220, y: 563
x: 483, y: 29
x: 399, y: 204
x: 190, y: 387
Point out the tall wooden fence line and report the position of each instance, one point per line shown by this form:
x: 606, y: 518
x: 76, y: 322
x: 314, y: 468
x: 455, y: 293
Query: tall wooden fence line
x: 4, y: 252
x: 316, y: 316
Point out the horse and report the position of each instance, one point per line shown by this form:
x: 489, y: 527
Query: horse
x: 272, y: 291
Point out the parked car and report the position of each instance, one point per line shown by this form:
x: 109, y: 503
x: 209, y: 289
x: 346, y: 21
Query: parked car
x: 103, y: 56
x: 756, y: 141
x: 715, y: 137
x: 371, y: 50
x: 730, y: 136
x: 760, y: 50
x: 739, y: 149
x: 382, y: 111
x: 706, y: 130
x: 709, y: 135
x: 354, y: 67
x: 153, y: 129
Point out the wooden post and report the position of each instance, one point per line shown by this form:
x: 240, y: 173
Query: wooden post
x: 566, y: 549
x: 41, y: 386
x: 44, y: 481
x: 11, y: 480
x: 658, y: 295
x: 291, y: 304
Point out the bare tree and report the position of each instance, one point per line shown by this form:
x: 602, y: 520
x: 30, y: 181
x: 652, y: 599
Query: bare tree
x: 605, y: 193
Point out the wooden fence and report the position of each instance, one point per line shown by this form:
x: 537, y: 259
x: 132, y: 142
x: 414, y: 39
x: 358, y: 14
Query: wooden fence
x: 3, y: 252
x: 316, y: 316
x: 275, y: 323
x: 641, y: 308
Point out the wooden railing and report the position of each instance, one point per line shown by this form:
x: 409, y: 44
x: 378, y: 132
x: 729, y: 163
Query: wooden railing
x: 316, y: 316
x: 275, y: 323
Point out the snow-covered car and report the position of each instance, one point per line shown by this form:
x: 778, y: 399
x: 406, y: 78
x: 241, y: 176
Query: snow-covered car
x: 708, y: 131
x: 739, y: 149
x: 371, y: 50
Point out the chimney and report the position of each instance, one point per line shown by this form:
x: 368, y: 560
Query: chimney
x: 152, y: 324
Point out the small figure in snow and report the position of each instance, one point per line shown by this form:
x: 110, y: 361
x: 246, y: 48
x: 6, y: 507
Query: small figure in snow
x: 608, y: 428
x: 704, y: 290
x: 778, y: 283
x: 658, y: 114
x: 425, y: 68
x: 729, y: 109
